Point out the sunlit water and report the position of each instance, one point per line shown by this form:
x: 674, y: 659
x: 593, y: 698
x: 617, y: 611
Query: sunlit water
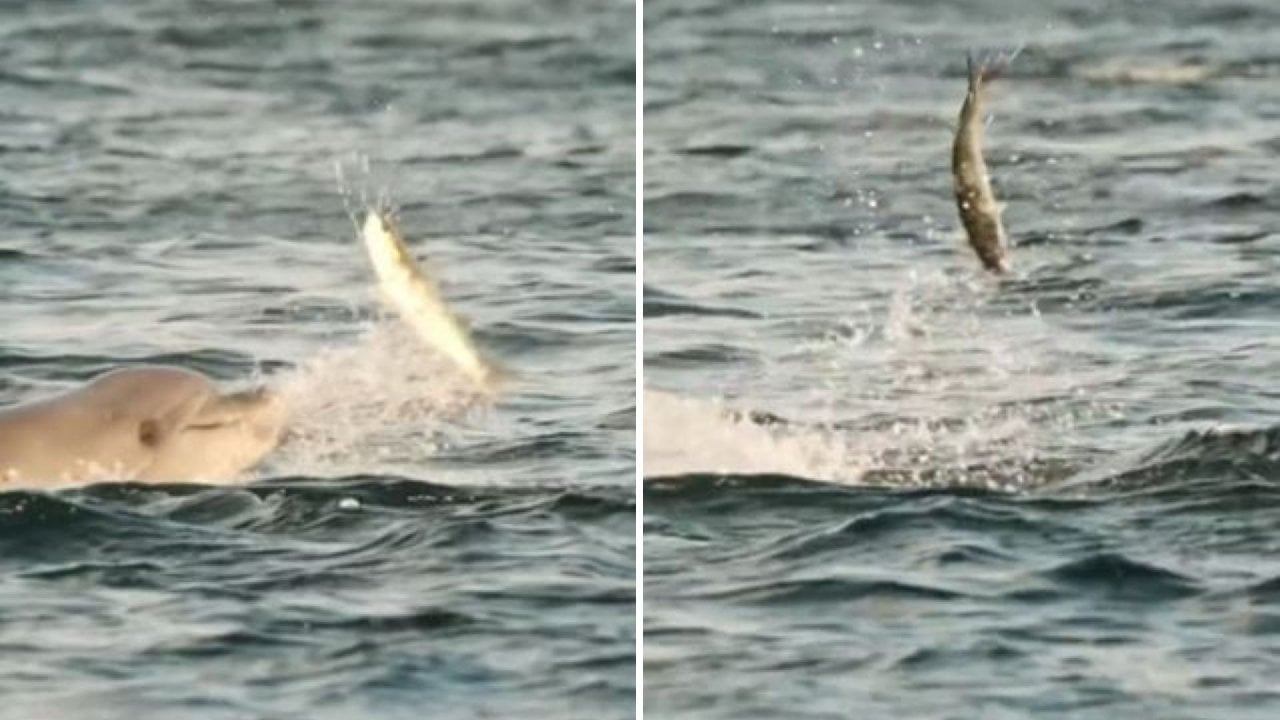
x: 170, y: 194
x: 882, y: 484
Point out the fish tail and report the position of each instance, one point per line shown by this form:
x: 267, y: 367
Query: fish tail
x: 984, y: 71
x: 496, y: 377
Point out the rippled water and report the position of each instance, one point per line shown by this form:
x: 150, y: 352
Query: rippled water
x: 360, y: 597
x: 170, y: 193
x: 882, y: 484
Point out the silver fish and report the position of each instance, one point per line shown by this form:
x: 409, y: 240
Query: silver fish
x: 412, y: 293
x: 979, y: 211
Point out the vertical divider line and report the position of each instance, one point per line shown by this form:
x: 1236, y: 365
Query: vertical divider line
x: 639, y: 322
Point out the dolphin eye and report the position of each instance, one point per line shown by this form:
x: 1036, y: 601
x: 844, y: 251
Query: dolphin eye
x: 149, y: 433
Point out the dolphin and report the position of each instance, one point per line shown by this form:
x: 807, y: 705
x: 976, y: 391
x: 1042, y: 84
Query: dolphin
x: 168, y: 424
x: 139, y: 424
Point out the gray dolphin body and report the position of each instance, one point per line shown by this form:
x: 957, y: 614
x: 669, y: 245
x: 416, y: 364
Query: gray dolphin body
x: 148, y: 424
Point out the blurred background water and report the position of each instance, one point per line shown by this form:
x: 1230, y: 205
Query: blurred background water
x: 882, y: 484
x: 172, y: 191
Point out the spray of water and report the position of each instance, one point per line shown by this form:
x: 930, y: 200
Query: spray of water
x: 933, y: 392
x: 383, y: 404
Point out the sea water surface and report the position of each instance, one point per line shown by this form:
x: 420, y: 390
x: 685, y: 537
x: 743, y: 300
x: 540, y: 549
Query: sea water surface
x: 172, y: 191
x: 882, y: 484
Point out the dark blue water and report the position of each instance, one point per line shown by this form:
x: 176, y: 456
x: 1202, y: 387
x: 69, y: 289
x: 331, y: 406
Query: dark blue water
x: 882, y: 484
x: 172, y: 191
x: 334, y: 597
x: 790, y: 598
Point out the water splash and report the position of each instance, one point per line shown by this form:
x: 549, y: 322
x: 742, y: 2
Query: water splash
x: 387, y: 402
x: 384, y: 404
x: 929, y: 394
x: 687, y: 435
x: 365, y: 185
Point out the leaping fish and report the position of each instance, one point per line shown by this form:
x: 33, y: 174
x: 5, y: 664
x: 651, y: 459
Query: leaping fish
x: 979, y: 211
x: 416, y: 297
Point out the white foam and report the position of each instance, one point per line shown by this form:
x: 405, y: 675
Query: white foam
x: 384, y: 404
x: 924, y: 391
x: 689, y: 435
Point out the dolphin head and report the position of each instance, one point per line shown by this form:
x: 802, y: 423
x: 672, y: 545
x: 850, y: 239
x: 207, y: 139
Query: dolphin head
x: 153, y: 424
x: 226, y: 435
